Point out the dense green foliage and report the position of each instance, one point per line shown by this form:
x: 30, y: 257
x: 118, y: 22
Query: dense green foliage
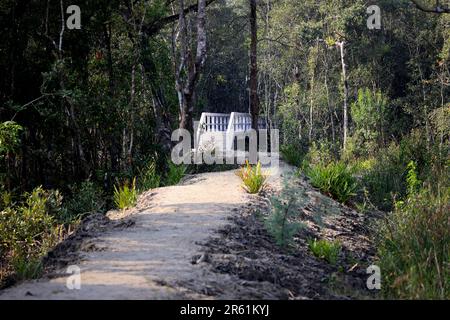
x: 9, y: 137
x: 292, y: 155
x: 368, y: 114
x: 87, y: 198
x: 148, y: 177
x: 28, y: 230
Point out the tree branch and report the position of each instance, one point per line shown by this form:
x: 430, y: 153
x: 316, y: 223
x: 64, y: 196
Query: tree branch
x: 159, y: 24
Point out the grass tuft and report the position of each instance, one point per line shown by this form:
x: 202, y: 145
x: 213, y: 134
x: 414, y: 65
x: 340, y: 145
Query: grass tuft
x: 334, y: 179
x: 254, y: 180
x: 327, y: 250
x: 125, y: 197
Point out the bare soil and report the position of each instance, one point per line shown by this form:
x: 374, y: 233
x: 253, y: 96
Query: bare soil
x: 245, y: 250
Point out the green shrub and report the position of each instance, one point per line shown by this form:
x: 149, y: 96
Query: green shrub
x: 320, y: 153
x: 29, y: 231
x: 335, y: 179
x: 149, y: 178
x: 411, y: 179
x: 285, y: 208
x: 27, y: 267
x: 384, y: 180
x: 125, y: 197
x: 9, y: 137
x: 292, y: 155
x: 175, y: 174
x: 368, y: 113
x: 54, y: 203
x: 252, y: 177
x: 86, y: 199
x: 5, y: 198
x: 326, y: 250
x: 362, y: 166
x: 414, y: 244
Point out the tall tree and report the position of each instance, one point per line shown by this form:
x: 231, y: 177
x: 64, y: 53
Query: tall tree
x: 341, y: 46
x: 254, y: 100
x: 189, y: 68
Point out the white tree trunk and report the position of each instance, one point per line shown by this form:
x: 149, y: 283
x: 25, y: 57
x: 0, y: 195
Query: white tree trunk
x: 341, y: 46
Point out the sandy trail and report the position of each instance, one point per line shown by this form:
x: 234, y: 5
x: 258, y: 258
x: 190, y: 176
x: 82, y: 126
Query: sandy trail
x: 147, y: 260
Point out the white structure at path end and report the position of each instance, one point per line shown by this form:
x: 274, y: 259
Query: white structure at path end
x: 218, y: 130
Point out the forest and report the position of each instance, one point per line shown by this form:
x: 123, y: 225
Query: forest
x: 87, y: 114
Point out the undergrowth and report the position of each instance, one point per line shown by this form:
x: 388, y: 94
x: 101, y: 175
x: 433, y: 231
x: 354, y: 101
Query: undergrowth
x: 285, y: 208
x: 414, y: 242
x: 292, y: 155
x: 175, y: 174
x: 28, y: 231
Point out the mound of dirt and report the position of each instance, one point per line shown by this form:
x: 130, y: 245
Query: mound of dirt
x: 246, y: 251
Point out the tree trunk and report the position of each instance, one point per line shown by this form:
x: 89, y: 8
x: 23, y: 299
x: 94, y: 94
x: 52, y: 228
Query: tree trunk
x: 341, y: 46
x: 254, y: 100
x: 327, y: 90
x: 311, y: 108
x: 187, y: 109
x: 161, y: 109
x: 186, y: 87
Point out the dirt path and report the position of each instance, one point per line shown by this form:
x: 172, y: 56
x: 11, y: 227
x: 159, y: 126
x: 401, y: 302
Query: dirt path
x: 206, y: 239
x: 150, y: 257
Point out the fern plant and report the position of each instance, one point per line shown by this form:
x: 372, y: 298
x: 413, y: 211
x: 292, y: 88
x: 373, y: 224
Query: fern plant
x: 254, y: 180
x: 126, y: 196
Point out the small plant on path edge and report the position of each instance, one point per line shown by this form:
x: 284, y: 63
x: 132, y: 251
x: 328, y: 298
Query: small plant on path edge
x: 125, y: 197
x: 254, y: 180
